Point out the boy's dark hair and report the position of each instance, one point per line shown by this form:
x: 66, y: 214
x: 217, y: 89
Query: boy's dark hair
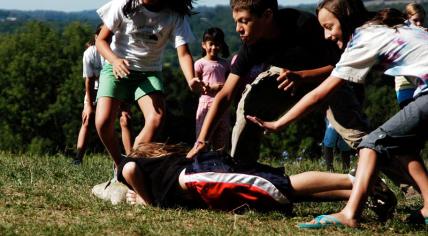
x: 256, y: 7
x: 216, y: 35
x: 390, y: 17
x: 350, y: 13
x: 97, y: 32
x: 182, y: 7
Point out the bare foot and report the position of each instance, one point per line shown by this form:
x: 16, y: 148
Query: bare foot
x: 424, y: 212
x: 338, y: 219
x: 350, y: 222
x: 134, y: 199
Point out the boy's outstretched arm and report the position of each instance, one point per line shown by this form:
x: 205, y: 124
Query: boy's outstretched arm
x: 221, y: 103
x: 303, y: 106
x: 287, y: 79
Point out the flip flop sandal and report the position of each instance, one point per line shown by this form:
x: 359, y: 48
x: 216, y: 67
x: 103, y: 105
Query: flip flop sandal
x: 322, y: 221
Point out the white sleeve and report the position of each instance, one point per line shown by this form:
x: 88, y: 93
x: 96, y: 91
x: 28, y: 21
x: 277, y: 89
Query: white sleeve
x: 88, y: 69
x: 182, y: 33
x: 360, y: 55
x: 111, y: 14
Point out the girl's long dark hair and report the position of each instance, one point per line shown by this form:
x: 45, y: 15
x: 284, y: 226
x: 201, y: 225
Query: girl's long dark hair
x: 390, y: 17
x: 182, y: 7
x: 350, y: 13
x: 216, y: 35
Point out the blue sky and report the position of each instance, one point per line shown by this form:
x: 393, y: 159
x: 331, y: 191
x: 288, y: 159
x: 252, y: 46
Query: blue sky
x: 78, y: 5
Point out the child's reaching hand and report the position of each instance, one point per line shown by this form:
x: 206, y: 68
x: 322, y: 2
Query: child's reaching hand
x: 288, y: 80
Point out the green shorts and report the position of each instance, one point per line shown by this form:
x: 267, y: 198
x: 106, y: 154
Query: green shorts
x: 131, y: 88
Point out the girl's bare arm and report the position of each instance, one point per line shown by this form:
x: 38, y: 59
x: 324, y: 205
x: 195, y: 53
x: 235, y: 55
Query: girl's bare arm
x: 303, y: 106
x: 120, y: 65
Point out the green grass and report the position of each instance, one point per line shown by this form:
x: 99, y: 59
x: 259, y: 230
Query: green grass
x: 46, y: 195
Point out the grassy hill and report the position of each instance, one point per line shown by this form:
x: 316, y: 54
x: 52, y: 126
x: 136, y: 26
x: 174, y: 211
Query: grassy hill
x: 46, y: 195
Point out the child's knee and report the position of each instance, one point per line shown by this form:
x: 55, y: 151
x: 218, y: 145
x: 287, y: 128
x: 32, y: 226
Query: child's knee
x: 103, y: 122
x: 129, y: 170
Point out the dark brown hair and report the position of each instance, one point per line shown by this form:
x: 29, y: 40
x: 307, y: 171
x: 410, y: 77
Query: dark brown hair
x: 217, y: 36
x: 390, y: 17
x: 350, y: 13
x: 257, y: 7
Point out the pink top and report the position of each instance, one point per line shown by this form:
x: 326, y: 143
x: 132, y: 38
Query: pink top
x: 212, y: 72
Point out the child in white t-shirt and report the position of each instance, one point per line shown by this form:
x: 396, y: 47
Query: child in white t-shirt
x: 92, y: 65
x: 141, y: 30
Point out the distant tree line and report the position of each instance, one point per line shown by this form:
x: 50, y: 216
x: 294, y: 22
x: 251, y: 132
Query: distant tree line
x: 42, y: 89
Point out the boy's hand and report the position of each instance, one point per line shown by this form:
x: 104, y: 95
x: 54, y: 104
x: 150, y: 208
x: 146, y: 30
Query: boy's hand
x: 288, y: 80
x: 198, y: 147
x: 120, y: 68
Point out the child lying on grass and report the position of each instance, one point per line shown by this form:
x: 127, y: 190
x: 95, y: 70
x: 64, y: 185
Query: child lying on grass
x: 161, y: 175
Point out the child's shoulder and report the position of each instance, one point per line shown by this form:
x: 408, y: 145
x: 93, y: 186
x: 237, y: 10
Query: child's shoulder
x: 90, y: 50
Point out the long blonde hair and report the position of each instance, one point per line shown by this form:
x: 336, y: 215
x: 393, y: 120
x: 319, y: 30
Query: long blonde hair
x: 156, y: 150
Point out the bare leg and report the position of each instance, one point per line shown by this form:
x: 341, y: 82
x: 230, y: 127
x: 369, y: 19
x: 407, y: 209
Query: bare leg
x: 135, y: 178
x: 83, y: 137
x: 84, y: 133
x: 153, y: 108
x: 365, y: 172
x: 309, y: 184
x: 334, y: 195
x: 418, y: 172
x: 107, y: 109
x: 125, y: 127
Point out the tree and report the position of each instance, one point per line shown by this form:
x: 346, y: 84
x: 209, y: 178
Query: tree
x: 34, y: 67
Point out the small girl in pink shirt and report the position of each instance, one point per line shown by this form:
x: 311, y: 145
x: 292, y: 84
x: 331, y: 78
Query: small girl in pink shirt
x: 213, y: 71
